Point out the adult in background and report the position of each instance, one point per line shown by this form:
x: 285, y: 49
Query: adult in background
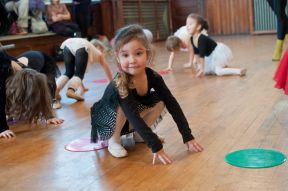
x: 21, y: 8
x: 59, y: 19
x: 82, y: 15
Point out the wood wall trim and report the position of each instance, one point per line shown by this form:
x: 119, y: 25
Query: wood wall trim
x: 224, y: 16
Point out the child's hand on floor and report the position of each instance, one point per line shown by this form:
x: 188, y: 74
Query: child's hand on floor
x: 162, y: 156
x: 54, y: 121
x: 168, y: 69
x: 194, y: 146
x: 200, y: 70
x: 8, y: 134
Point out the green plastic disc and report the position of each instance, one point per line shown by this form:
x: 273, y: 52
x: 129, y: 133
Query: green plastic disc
x: 255, y: 158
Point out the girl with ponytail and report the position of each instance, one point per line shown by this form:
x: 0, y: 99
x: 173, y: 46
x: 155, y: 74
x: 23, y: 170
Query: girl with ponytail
x: 211, y: 57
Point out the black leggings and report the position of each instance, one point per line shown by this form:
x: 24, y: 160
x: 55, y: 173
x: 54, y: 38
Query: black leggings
x: 75, y: 65
x: 278, y: 6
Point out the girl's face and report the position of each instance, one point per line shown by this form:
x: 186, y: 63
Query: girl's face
x: 192, y: 26
x: 132, y: 57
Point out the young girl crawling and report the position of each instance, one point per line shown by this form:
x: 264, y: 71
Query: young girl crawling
x: 211, y: 57
x: 24, y: 94
x: 137, y: 94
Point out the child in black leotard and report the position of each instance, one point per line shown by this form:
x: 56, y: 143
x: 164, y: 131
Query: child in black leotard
x: 211, y: 57
x: 137, y: 94
x: 23, y: 94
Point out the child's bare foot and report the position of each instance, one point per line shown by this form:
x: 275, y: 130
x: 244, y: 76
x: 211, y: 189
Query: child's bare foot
x: 243, y: 71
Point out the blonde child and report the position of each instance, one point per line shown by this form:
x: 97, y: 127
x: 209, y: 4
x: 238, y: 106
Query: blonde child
x: 180, y: 41
x: 137, y: 94
x: 78, y: 53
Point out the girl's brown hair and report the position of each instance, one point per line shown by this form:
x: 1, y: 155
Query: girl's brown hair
x: 122, y: 37
x: 200, y: 21
x: 27, y: 96
x: 173, y: 43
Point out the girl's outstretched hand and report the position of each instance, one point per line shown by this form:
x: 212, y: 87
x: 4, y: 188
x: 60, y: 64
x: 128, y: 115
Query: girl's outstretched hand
x: 162, y: 156
x: 54, y: 121
x: 194, y: 146
x: 8, y: 134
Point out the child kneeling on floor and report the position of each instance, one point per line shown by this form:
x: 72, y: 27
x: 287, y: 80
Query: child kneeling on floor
x: 137, y: 94
x: 211, y: 57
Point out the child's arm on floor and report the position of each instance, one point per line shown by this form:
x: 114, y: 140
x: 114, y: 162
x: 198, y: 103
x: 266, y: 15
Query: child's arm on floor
x: 106, y: 67
x: 129, y: 106
x: 195, y: 60
x: 171, y: 60
x: 200, y: 67
x: 175, y: 110
x: 191, y: 58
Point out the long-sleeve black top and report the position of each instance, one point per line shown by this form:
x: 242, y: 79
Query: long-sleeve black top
x: 205, y: 46
x: 129, y: 107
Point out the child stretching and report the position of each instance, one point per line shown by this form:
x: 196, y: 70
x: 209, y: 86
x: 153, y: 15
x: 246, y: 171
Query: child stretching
x: 180, y: 41
x: 212, y: 57
x: 24, y: 95
x: 79, y: 52
x: 130, y: 97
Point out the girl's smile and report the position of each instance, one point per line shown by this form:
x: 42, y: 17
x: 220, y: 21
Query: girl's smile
x: 133, y: 57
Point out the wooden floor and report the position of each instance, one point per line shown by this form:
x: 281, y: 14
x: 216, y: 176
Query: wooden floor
x: 225, y: 113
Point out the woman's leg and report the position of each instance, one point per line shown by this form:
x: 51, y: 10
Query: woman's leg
x: 81, y: 59
x: 23, y: 9
x: 278, y: 7
x: 221, y: 71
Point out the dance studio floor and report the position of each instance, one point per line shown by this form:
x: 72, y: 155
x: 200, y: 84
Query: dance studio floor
x: 225, y: 114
